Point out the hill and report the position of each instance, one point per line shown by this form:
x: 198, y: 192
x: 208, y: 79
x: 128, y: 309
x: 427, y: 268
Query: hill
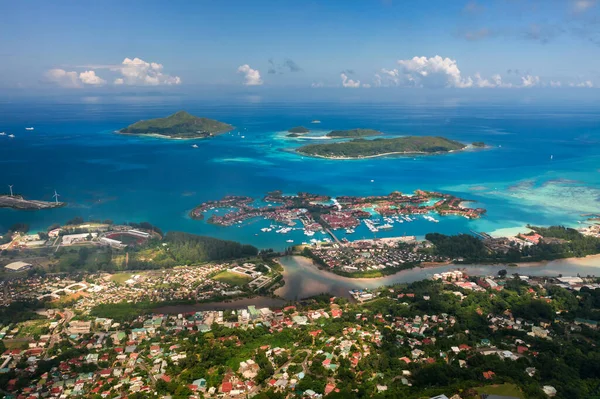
x: 180, y: 125
x: 361, y: 148
x: 354, y: 133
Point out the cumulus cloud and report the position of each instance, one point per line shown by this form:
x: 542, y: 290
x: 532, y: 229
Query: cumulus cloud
x: 317, y: 85
x: 251, y: 76
x: 432, y: 72
x: 555, y: 83
x: 90, y: 78
x: 530, y: 81
x: 72, y: 79
x: 347, y: 82
x: 137, y: 72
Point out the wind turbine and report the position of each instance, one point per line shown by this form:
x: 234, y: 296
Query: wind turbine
x: 10, y: 187
x: 55, y: 196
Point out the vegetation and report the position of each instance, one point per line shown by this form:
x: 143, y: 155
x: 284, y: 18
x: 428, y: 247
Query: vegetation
x: 180, y: 125
x: 558, y: 242
x: 299, y: 129
x: 234, y: 279
x: 353, y: 133
x: 478, y: 144
x: 360, y: 148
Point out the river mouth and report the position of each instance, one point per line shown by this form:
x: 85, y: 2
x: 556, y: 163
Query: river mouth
x: 303, y: 279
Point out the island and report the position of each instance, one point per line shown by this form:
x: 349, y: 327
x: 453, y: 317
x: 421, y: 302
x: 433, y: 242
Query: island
x: 362, y: 148
x: 20, y: 203
x: 478, y: 144
x: 298, y: 129
x: 353, y: 133
x: 180, y: 125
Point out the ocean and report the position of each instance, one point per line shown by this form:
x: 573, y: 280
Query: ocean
x: 541, y: 167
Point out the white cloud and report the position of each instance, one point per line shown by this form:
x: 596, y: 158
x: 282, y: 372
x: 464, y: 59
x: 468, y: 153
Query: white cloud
x: 63, y: 78
x: 317, y: 85
x: 587, y: 83
x: 73, y: 80
x: 347, y: 82
x: 90, y: 78
x: 432, y: 72
x: 555, y: 83
x: 137, y: 72
x: 251, y: 76
x: 529, y: 81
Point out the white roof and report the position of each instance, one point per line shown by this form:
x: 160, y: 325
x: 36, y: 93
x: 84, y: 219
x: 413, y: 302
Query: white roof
x: 17, y: 266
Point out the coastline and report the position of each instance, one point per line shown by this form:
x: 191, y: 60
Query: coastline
x: 162, y: 136
x: 432, y: 266
x: 399, y: 153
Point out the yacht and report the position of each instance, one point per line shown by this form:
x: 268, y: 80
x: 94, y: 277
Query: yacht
x: 28, y: 128
x: 315, y: 121
x: 2, y: 134
x: 309, y: 233
x: 349, y: 231
x: 195, y: 146
x: 12, y: 136
x: 386, y: 226
x: 289, y: 241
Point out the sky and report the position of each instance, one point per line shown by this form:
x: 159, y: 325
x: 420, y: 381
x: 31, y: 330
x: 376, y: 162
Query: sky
x: 258, y: 44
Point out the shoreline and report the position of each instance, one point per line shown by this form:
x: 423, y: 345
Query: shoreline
x: 430, y: 267
x: 162, y: 136
x: 399, y: 153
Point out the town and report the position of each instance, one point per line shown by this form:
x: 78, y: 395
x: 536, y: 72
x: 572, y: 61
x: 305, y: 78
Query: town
x: 393, y: 340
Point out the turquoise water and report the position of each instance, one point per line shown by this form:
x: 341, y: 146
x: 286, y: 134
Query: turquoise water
x: 542, y: 167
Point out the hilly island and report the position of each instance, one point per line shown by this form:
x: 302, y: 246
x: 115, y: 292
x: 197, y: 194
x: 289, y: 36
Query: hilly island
x: 180, y: 125
x: 362, y: 148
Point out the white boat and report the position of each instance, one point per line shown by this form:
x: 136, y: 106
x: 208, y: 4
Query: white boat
x: 349, y: 231
x: 243, y: 137
x: 12, y: 136
x: 386, y: 226
x: 309, y: 233
x: 28, y: 128
x: 2, y: 134
x: 315, y: 121
x: 289, y: 241
x: 195, y: 146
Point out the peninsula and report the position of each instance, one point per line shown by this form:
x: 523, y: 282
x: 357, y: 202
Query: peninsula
x: 353, y: 133
x: 361, y: 148
x: 18, y: 202
x: 180, y: 125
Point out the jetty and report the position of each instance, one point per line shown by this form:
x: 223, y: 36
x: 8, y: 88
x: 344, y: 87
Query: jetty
x: 18, y: 202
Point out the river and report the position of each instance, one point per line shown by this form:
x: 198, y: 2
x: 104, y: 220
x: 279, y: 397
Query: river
x: 304, y: 279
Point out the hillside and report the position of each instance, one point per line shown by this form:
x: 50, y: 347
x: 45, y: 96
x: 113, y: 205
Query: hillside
x: 180, y: 125
x: 299, y: 129
x: 361, y: 148
x: 353, y: 133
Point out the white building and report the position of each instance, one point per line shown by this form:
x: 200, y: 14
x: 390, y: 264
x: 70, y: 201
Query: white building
x: 18, y: 266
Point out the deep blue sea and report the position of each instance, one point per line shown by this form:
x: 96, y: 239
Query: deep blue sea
x: 542, y: 165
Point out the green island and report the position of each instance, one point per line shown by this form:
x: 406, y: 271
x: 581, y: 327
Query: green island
x: 479, y: 144
x: 361, y: 148
x: 180, y: 125
x: 299, y: 129
x: 353, y: 133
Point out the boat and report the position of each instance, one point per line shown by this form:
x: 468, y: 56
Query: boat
x: 349, y: 231
x: 309, y: 233
x: 386, y: 226
x: 195, y: 146
x: 243, y: 137
x: 289, y: 240
x: 28, y: 128
x: 2, y: 134
x: 315, y: 121
x: 12, y: 136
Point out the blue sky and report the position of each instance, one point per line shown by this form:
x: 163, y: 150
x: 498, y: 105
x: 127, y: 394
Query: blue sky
x: 353, y: 44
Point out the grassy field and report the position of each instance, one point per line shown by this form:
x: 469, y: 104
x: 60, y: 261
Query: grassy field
x: 120, y: 278
x: 30, y: 328
x: 502, y: 390
x: 232, y: 278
